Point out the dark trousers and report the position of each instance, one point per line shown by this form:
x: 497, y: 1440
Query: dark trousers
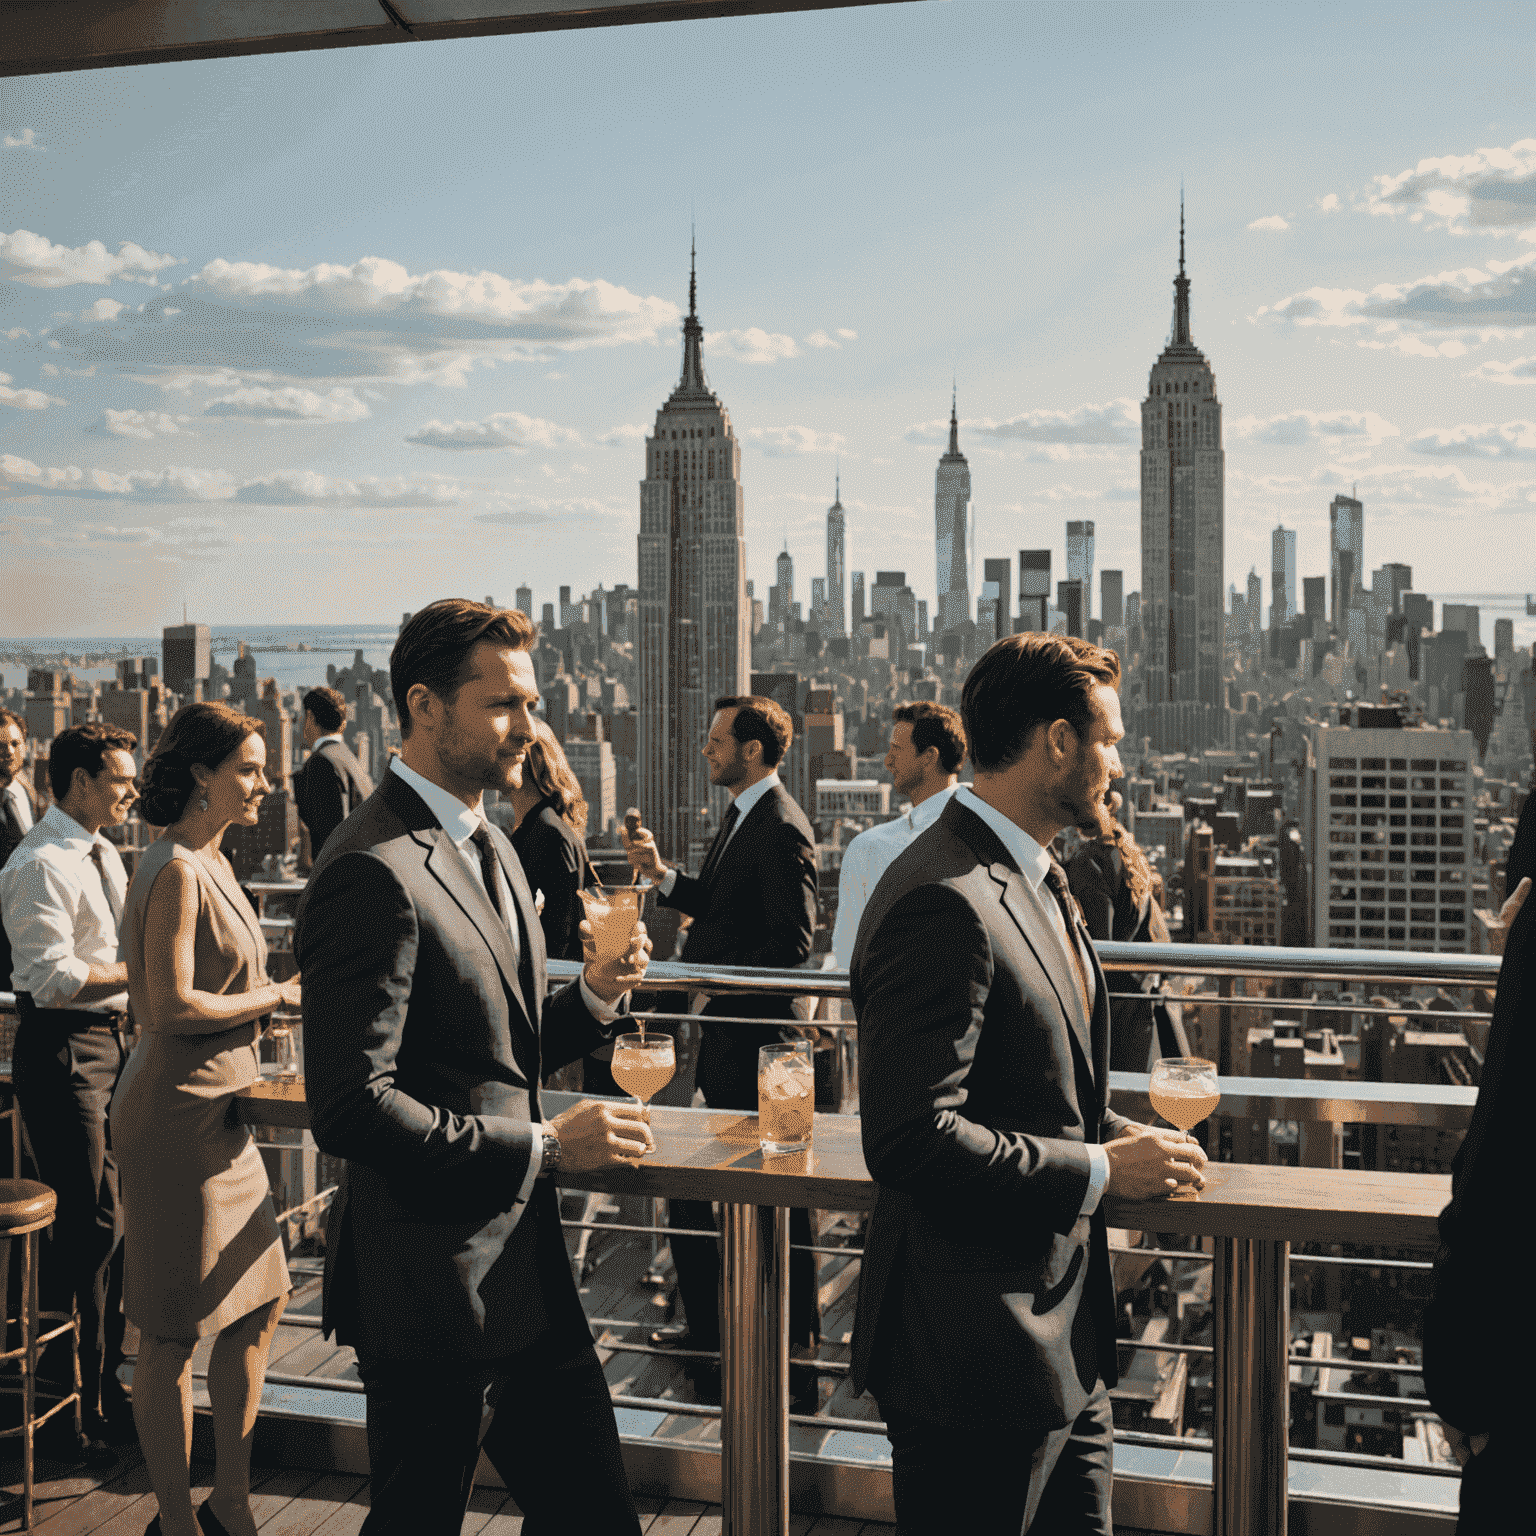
x: 551, y: 1435
x: 64, y: 1078
x: 1004, y: 1479
x: 1495, y: 1484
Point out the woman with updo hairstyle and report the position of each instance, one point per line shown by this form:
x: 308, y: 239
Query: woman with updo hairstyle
x: 202, y: 1253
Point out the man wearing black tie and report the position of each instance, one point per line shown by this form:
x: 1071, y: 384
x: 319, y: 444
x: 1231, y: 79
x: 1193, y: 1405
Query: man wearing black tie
x: 753, y: 902
x: 62, y: 895
x: 986, y: 1317
x: 331, y: 784
x: 427, y: 1035
x: 19, y: 810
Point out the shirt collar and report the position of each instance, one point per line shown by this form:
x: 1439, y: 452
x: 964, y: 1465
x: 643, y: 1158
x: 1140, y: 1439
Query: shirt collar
x: 69, y: 831
x: 453, y: 816
x: 749, y: 797
x: 926, y: 811
x: 320, y: 741
x: 1032, y: 859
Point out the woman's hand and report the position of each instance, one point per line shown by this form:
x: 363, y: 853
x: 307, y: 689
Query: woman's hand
x: 291, y: 993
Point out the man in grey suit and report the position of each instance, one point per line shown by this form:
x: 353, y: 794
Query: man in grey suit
x: 332, y: 783
x: 986, y: 1317
x: 427, y: 1035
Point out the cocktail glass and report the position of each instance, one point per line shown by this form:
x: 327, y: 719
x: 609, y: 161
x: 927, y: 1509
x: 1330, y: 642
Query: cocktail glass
x: 613, y: 912
x: 643, y: 1064
x: 786, y: 1096
x: 1184, y: 1090
x: 283, y: 1051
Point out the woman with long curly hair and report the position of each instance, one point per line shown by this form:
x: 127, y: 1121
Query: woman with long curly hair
x: 202, y: 1252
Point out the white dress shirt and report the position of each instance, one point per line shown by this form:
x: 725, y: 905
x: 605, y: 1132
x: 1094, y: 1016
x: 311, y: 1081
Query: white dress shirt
x: 1034, y: 861
x: 21, y: 802
x: 320, y: 741
x: 461, y: 823
x: 866, y: 858
x: 743, y: 803
x: 57, y: 914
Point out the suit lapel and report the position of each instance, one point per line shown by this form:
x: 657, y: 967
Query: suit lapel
x: 532, y: 971
x: 733, y: 849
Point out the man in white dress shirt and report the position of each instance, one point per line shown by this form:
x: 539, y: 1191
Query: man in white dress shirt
x: 62, y: 895
x: 926, y: 751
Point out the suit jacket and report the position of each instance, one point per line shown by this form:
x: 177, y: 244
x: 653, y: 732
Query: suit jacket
x: 555, y: 861
x: 8, y: 846
x: 1480, y: 1290
x: 424, y: 1046
x: 327, y: 789
x: 758, y: 907
x: 984, y: 1296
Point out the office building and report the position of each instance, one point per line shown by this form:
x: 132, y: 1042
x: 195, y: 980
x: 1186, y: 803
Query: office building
x: 695, y: 639
x: 894, y: 601
x: 856, y: 599
x: 1112, y: 598
x: 186, y: 656
x: 781, y: 595
x: 592, y: 761
x: 1080, y: 562
x: 1183, y: 522
x: 1466, y: 617
x: 988, y: 609
x: 1314, y: 590
x: 1072, y: 600
x: 1034, y: 590
x: 1282, y: 576
x: 835, y: 617
x: 1000, y: 572
x: 525, y: 600
x: 1346, y: 555
x: 851, y: 797
x: 952, y: 531
x: 1397, y: 578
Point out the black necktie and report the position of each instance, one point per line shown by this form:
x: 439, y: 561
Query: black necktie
x: 717, y: 848
x: 481, y: 838
x: 1056, y: 878
x: 106, y: 885
x: 13, y: 828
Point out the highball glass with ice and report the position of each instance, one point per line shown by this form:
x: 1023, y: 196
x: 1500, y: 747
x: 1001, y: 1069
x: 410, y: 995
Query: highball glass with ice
x: 786, y: 1096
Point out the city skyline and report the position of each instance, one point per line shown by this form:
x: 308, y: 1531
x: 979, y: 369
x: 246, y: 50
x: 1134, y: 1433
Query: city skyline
x: 294, y: 363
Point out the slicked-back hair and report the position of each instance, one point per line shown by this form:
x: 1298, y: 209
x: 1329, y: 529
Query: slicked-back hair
x: 1030, y: 680
x: 934, y: 725
x: 328, y: 706
x: 435, y: 645
x: 760, y: 719
x: 10, y: 717
x: 84, y: 746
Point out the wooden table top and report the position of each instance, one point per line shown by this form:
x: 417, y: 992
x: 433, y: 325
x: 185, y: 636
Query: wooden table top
x: 705, y: 1154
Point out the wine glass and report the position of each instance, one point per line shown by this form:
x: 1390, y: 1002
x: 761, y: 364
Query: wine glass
x: 1184, y: 1090
x: 643, y: 1064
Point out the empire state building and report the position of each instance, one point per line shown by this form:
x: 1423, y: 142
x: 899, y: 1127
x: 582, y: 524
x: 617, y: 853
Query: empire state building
x: 695, y: 643
x: 1183, y: 477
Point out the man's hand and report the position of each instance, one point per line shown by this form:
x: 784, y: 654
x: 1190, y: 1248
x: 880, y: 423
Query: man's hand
x: 643, y: 854
x: 1147, y: 1162
x: 1463, y: 1446
x: 599, y: 1134
x: 613, y: 978
x: 1507, y: 915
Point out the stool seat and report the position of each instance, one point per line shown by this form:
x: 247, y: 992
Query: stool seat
x: 24, y: 1202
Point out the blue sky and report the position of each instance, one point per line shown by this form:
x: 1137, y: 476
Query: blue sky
x: 323, y: 336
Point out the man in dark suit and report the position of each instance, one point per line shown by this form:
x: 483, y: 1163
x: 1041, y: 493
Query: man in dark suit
x: 986, y: 1316
x: 20, y: 810
x: 427, y: 1033
x: 1481, y: 1294
x: 331, y: 784
x: 752, y: 903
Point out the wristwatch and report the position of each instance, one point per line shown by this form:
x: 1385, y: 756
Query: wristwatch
x: 550, y: 1161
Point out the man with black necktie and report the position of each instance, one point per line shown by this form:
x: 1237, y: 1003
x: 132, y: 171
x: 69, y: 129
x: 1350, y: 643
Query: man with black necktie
x: 427, y: 1033
x: 20, y: 810
x: 753, y: 902
x: 331, y: 784
x: 62, y: 896
x: 986, y: 1316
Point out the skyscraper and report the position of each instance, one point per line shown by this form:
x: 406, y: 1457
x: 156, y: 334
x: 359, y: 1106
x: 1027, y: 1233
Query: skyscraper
x: 835, y: 617
x: 952, y: 529
x: 1034, y: 589
x: 781, y: 595
x: 525, y: 600
x: 1001, y: 572
x: 1346, y: 555
x: 695, y: 638
x: 1080, y: 563
x: 1183, y: 474
x: 186, y: 653
x: 1282, y: 576
x: 857, y: 598
x: 1112, y: 598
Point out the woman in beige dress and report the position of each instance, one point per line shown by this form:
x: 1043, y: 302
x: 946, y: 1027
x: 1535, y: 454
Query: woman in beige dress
x: 202, y: 1252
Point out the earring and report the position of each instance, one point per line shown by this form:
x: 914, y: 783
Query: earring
x: 202, y: 803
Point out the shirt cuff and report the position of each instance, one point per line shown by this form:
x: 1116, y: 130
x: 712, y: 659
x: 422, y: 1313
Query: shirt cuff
x: 604, y: 1013
x: 61, y: 984
x: 1098, y: 1177
x: 534, y: 1163
x: 667, y: 881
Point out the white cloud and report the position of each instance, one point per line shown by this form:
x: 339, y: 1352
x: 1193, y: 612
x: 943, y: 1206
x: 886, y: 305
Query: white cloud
x: 26, y: 139
x: 1116, y: 422
x: 260, y: 402
x: 37, y: 262
x: 142, y: 424
x: 624, y: 436
x: 1520, y: 370
x: 793, y: 442
x: 836, y: 339
x: 25, y: 399
x: 753, y: 345
x: 1297, y: 428
x: 103, y: 309
x: 1271, y: 221
x: 506, y: 429
x: 220, y: 378
x: 1329, y: 203
x: 1505, y: 440
x: 1489, y: 189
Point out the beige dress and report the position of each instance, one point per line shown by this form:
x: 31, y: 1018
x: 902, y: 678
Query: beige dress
x: 201, y: 1242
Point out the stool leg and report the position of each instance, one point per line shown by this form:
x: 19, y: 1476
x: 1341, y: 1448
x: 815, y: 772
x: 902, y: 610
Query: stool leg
x: 28, y: 1369
x: 74, y: 1318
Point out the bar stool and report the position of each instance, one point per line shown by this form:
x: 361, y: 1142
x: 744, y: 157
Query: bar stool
x: 27, y: 1208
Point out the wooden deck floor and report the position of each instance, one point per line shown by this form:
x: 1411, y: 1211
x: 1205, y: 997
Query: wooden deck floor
x: 118, y: 1502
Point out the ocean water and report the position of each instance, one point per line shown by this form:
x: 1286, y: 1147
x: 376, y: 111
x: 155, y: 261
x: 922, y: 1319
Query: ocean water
x: 274, y: 645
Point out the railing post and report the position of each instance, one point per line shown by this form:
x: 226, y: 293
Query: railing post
x: 1251, y: 1293
x: 754, y: 1370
